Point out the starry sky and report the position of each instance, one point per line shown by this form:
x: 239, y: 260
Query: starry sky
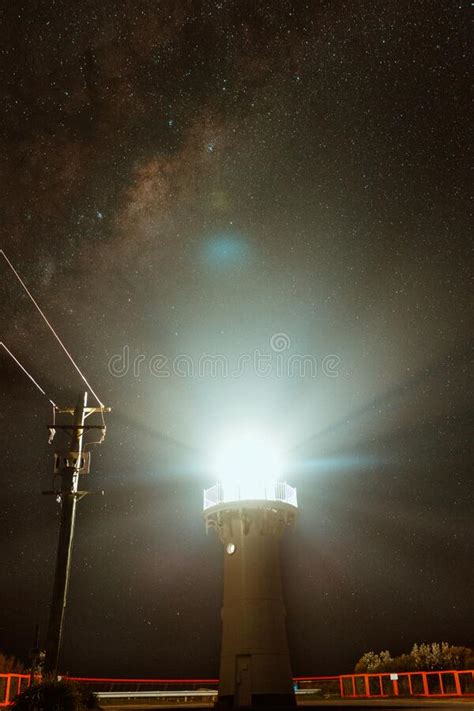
x: 258, y: 181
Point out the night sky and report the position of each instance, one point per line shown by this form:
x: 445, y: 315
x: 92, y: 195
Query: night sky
x: 239, y: 178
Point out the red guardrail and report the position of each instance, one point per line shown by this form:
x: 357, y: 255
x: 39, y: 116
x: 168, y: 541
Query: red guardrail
x: 421, y: 684
x: 431, y: 684
x: 11, y: 685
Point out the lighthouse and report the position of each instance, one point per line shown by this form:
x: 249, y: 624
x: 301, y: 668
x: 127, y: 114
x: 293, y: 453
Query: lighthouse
x: 250, y: 507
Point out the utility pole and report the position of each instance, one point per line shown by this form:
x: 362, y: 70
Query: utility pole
x: 35, y: 656
x: 69, y: 466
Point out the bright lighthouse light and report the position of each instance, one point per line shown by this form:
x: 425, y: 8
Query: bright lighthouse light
x: 246, y: 465
x: 248, y: 457
x: 249, y: 467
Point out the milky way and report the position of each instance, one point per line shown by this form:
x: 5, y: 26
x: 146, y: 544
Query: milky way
x: 275, y: 184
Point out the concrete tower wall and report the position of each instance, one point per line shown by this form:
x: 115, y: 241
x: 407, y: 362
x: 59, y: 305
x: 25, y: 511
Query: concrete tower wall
x: 255, y: 663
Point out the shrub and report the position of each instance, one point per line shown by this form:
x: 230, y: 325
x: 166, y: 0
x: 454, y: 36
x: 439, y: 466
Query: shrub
x: 55, y: 695
x: 423, y: 657
x: 9, y: 663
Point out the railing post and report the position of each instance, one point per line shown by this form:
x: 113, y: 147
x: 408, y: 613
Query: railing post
x: 424, y: 679
x: 341, y: 686
x: 7, y: 690
x: 410, y: 686
x: 441, y: 685
x: 457, y: 683
x: 367, y: 685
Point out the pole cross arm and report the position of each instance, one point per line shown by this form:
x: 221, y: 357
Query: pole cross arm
x: 78, y: 494
x: 76, y: 427
x: 87, y: 410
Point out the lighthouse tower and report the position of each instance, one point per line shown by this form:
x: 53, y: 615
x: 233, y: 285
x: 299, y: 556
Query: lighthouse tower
x: 250, y: 512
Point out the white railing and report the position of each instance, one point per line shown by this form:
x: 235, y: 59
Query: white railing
x: 192, y: 693
x: 254, y: 491
x: 170, y: 694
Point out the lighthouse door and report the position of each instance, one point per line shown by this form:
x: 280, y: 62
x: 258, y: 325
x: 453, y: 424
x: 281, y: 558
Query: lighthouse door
x: 243, y: 686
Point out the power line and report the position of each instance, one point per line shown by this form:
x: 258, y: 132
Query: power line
x: 50, y: 327
x: 27, y: 373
